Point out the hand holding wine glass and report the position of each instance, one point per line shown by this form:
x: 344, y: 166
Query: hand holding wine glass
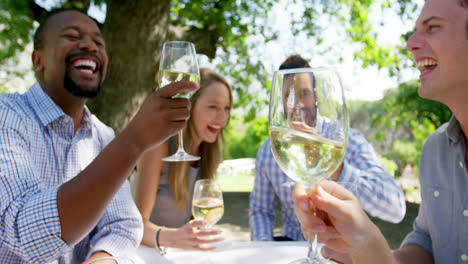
x: 308, y: 128
x: 179, y: 63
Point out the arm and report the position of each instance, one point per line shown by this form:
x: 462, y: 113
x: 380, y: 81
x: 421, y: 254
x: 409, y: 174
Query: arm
x: 186, y: 237
x: 82, y: 200
x: 348, y: 230
x: 412, y: 254
x: 379, y: 194
x: 262, y: 198
x: 120, y: 228
x: 417, y: 245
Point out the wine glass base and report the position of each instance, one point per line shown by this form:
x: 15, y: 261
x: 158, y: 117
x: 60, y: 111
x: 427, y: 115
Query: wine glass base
x: 312, y: 261
x: 180, y: 156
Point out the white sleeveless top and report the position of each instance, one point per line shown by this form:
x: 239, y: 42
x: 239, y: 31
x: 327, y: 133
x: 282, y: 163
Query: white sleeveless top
x: 165, y: 211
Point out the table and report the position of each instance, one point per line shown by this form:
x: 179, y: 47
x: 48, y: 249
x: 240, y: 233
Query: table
x: 228, y: 252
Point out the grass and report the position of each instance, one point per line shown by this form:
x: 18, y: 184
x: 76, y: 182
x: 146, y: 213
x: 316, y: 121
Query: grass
x: 238, y: 182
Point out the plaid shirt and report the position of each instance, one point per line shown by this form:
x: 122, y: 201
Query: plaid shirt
x: 379, y: 194
x: 39, y: 151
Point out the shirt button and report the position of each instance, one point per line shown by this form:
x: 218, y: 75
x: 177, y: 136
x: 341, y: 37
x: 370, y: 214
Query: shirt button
x: 465, y: 213
x: 464, y: 257
x: 436, y: 194
x: 461, y: 164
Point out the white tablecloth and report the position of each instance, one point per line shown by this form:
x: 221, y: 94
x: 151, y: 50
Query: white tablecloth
x: 229, y: 252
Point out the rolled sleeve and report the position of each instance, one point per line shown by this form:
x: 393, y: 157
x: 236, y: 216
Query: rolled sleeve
x: 420, y: 239
x: 120, y: 230
x: 419, y: 235
x: 377, y: 190
x: 31, y: 227
x: 39, y: 228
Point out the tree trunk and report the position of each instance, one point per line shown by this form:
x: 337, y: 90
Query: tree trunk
x: 134, y: 32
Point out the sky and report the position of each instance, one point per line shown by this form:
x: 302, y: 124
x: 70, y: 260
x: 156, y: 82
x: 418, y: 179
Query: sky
x: 359, y: 83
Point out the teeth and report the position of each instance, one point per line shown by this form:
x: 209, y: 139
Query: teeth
x: 425, y: 63
x: 215, y: 126
x: 86, y: 71
x: 87, y: 63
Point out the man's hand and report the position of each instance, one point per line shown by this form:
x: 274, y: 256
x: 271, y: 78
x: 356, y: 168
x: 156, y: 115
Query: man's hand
x: 161, y: 116
x: 347, y: 228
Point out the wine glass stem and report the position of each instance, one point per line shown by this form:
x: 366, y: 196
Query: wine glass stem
x: 312, y: 254
x: 181, y: 141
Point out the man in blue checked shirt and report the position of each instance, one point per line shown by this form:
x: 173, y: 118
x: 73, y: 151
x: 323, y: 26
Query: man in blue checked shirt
x: 379, y: 194
x: 63, y: 174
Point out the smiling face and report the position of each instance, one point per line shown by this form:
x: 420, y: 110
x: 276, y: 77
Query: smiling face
x: 211, y: 112
x: 299, y: 97
x: 72, y: 55
x: 439, y: 46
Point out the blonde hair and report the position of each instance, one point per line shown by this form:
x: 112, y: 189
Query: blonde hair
x: 210, y: 153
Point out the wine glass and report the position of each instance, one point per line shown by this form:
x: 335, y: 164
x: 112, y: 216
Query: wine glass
x: 179, y: 63
x: 112, y: 260
x: 308, y: 129
x: 207, y: 202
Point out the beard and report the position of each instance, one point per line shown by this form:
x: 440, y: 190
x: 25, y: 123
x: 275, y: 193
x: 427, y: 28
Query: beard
x: 75, y: 89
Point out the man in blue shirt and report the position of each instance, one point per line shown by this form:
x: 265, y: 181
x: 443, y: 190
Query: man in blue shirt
x: 440, y: 231
x: 379, y: 194
x: 63, y: 176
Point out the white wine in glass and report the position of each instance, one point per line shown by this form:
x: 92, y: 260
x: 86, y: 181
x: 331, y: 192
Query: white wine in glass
x: 308, y: 129
x: 179, y: 63
x: 207, y: 202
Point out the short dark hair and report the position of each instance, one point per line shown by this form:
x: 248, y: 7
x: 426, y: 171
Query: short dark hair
x: 296, y: 61
x: 38, y: 39
x: 293, y: 62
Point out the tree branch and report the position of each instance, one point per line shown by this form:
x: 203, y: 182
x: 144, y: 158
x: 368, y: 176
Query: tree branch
x: 36, y: 12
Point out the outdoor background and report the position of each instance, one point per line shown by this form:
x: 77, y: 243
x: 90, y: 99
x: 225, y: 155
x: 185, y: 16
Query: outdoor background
x: 246, y: 40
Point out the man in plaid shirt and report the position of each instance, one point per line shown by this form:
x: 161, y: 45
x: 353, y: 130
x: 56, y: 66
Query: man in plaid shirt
x: 379, y: 194
x: 63, y: 175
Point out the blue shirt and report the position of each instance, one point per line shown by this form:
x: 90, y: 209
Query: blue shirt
x: 378, y: 192
x: 441, y: 227
x: 38, y: 152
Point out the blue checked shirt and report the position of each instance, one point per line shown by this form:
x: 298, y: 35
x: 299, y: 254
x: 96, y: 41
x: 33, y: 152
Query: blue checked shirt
x: 39, y: 151
x: 379, y: 194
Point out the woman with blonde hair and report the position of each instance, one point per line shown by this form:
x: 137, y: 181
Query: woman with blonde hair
x: 164, y: 189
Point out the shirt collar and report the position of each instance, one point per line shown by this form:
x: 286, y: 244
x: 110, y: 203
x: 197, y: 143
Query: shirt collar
x: 453, y: 131
x: 46, y: 109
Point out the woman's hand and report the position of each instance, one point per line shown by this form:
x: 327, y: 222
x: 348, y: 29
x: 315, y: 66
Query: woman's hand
x: 190, y: 236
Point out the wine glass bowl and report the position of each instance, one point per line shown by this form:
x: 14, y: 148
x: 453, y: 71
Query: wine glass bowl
x: 308, y: 127
x: 179, y: 63
x: 207, y: 202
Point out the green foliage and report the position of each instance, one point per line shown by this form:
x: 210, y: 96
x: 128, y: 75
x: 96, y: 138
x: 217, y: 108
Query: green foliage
x: 391, y: 165
x: 15, y: 30
x: 244, y: 139
x: 403, y: 107
x: 231, y: 22
x: 3, y: 88
x: 403, y: 152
